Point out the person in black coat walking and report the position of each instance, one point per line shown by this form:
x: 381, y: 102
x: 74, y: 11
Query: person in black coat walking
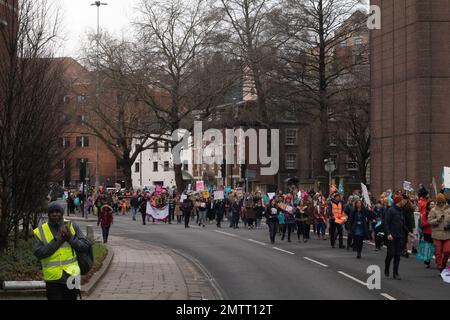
x: 395, y: 227
x: 358, y: 225
x: 219, y: 209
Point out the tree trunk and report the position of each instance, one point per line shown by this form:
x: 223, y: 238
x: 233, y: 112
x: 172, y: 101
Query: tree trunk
x: 126, y: 169
x: 179, y: 178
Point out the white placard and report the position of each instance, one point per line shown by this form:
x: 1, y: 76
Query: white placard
x: 219, y: 195
x: 407, y: 186
x: 271, y: 195
x: 365, y: 193
x: 183, y: 197
x: 446, y: 177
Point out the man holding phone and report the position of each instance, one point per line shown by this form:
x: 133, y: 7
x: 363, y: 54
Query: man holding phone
x: 55, y: 244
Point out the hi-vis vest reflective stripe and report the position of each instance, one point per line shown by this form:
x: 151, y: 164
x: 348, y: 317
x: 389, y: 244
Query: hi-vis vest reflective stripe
x: 339, y: 216
x: 63, y: 259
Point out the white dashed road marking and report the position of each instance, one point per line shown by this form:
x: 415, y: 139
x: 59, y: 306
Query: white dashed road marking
x: 316, y: 262
x: 388, y: 296
x: 283, y: 250
x: 353, y: 278
x: 227, y: 234
x: 258, y: 242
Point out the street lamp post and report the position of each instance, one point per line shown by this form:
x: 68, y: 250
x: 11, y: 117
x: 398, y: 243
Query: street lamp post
x: 330, y: 167
x: 97, y: 90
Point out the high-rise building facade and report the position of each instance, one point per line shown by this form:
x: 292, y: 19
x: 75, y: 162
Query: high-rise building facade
x: 410, y: 111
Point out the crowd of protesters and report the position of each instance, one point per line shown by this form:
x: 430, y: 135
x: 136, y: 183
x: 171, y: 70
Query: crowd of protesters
x: 387, y: 221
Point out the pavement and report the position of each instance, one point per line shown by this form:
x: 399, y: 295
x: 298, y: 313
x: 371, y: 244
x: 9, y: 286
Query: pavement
x: 242, y: 264
x: 141, y: 271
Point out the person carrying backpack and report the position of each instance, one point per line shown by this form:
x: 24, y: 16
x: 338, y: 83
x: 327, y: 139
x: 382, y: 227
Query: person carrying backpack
x: 57, y: 245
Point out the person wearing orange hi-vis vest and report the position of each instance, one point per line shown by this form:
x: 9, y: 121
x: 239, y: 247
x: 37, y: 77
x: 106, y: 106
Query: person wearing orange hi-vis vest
x: 337, y: 218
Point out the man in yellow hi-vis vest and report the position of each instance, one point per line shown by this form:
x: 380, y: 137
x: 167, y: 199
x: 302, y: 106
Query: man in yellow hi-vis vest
x: 55, y: 245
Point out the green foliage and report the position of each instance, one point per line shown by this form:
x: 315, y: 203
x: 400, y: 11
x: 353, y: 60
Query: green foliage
x: 19, y: 264
x: 22, y: 265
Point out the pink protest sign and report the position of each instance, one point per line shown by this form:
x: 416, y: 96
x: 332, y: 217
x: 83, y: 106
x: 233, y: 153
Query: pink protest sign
x: 199, y: 186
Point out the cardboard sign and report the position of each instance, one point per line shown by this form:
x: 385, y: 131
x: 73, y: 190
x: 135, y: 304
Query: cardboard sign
x: 365, y: 193
x: 205, y: 194
x: 219, y: 195
x: 199, y: 186
x: 407, y: 186
x: 447, y: 177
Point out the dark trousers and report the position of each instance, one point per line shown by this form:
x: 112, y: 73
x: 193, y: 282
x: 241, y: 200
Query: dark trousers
x: 105, y: 231
x: 289, y: 227
x: 187, y: 215
x: 273, y: 226
x: 378, y: 240
x: 358, y: 243
x: 321, y: 226
x: 143, y: 217
x: 59, y: 291
x: 394, y: 251
x: 333, y: 228
x: 219, y: 218
x: 303, y: 228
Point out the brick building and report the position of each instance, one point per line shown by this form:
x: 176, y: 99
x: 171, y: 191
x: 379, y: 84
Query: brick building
x: 410, y: 63
x: 82, y: 144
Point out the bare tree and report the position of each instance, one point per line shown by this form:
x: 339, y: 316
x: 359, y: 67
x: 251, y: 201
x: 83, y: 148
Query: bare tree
x: 353, y: 133
x: 248, y: 33
x: 312, y: 72
x: 118, y: 118
x: 31, y: 94
x: 177, y: 70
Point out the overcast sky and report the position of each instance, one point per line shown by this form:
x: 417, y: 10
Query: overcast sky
x: 79, y: 17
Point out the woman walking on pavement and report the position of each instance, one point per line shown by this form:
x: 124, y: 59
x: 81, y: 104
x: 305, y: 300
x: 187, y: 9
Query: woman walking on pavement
x: 439, y: 219
x: 105, y: 220
x: 359, y: 226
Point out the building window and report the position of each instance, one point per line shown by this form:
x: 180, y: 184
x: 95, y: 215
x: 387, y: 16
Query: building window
x: 343, y: 44
x: 66, y: 99
x: 166, y: 146
x: 358, y: 41
x: 81, y: 99
x: 136, y: 167
x: 166, y: 166
x: 155, y: 147
x: 118, y: 165
x: 155, y: 166
x: 82, y: 119
x: 83, y: 142
x: 185, y: 166
x: 81, y: 160
x: 332, y: 139
x: 351, y: 164
x: 350, y: 140
x: 65, y: 142
x: 334, y: 158
x: 331, y: 113
x: 291, y: 137
x: 291, y: 161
